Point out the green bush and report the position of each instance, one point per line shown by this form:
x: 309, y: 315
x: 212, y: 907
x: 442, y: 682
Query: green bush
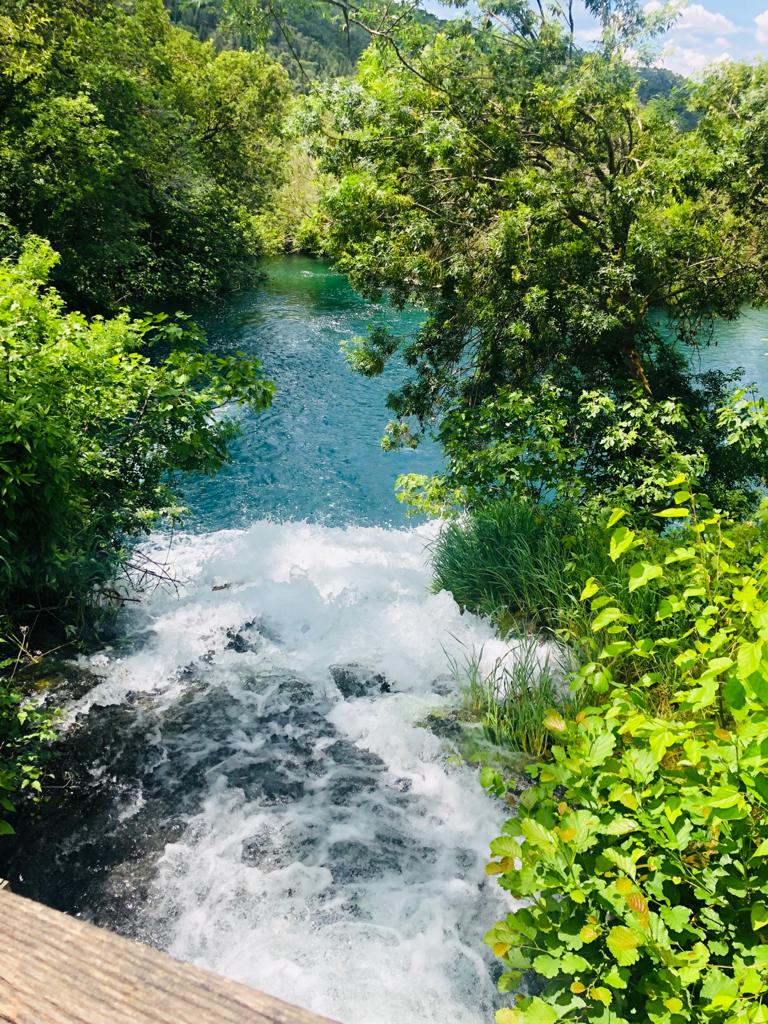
x: 642, y: 851
x: 26, y: 732
x: 93, y: 416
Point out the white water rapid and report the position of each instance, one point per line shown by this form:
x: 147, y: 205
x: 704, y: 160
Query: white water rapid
x: 307, y: 833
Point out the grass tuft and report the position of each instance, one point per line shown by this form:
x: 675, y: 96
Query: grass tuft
x: 511, y: 700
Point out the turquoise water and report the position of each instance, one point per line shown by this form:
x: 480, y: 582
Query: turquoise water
x: 252, y: 786
x: 315, y: 454
x: 741, y: 343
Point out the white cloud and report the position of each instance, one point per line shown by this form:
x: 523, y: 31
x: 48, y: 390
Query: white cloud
x: 689, y: 62
x: 588, y: 35
x: 695, y: 19
x: 698, y: 20
x: 762, y: 28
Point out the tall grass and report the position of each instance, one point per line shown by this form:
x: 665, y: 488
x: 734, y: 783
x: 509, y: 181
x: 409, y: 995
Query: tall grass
x: 511, y: 699
x: 525, y: 567
x: 506, y: 559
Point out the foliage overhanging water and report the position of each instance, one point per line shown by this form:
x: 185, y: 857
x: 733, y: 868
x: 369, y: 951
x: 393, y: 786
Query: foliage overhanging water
x: 259, y: 796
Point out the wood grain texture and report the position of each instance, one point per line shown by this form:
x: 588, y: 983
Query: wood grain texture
x: 55, y: 969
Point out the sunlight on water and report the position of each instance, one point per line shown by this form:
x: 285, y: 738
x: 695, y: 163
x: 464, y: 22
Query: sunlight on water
x: 315, y: 454
x: 260, y: 793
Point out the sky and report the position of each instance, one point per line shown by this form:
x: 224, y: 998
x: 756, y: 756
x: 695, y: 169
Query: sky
x: 706, y: 32
x: 714, y: 30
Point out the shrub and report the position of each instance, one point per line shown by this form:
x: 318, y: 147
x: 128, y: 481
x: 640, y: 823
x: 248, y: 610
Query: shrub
x: 26, y: 731
x: 93, y: 416
x: 642, y: 850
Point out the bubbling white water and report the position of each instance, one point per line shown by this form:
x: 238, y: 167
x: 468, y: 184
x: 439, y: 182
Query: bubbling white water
x: 334, y: 857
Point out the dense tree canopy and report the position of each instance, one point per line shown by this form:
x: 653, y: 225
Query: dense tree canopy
x: 144, y: 156
x: 567, y: 241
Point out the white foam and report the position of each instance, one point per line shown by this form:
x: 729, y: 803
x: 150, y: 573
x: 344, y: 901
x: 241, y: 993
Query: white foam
x: 402, y: 946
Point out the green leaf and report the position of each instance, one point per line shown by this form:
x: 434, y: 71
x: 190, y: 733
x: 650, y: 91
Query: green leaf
x: 621, y: 860
x: 591, y: 587
x: 616, y: 515
x: 758, y: 915
x: 620, y: 826
x: 601, y: 748
x: 621, y: 541
x: 749, y: 658
x: 616, y: 648
x: 673, y: 513
x: 624, y: 945
x: 641, y: 574
x: 530, y: 1011
x: 536, y: 834
x: 680, y: 555
x: 505, y: 846
x: 606, y: 617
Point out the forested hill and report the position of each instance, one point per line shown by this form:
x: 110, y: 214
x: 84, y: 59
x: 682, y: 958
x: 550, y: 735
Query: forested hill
x: 304, y: 39
x: 313, y: 43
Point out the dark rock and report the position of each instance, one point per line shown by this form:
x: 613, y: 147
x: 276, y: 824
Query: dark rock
x: 346, y: 753
x: 344, y: 787
x: 357, y: 681
x: 352, y: 861
x: 265, y: 784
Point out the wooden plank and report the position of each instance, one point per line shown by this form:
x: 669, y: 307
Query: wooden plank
x: 55, y: 969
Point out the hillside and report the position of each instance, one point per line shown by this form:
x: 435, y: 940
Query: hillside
x: 306, y: 41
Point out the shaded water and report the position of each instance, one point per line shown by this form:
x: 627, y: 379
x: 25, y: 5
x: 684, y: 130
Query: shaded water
x: 254, y: 788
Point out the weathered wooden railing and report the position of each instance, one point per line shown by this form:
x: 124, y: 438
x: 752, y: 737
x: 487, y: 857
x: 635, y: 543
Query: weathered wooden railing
x: 55, y: 969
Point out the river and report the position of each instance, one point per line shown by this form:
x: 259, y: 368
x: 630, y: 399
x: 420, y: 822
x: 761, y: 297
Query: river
x: 254, y: 787
x: 256, y: 790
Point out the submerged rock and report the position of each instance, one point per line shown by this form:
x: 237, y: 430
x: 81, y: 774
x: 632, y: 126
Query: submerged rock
x: 357, y: 681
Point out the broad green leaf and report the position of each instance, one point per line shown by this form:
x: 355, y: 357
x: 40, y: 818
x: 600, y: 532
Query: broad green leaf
x: 641, y: 574
x: 758, y: 915
x: 749, y: 658
x: 554, y: 722
x: 505, y: 846
x: 591, y: 587
x: 624, y: 945
x: 531, y: 1011
x: 614, y: 649
x: 536, y: 834
x: 606, y: 617
x: 673, y: 513
x: 616, y: 516
x: 621, y: 541
x: 621, y: 860
x: 680, y: 554
x: 620, y: 827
